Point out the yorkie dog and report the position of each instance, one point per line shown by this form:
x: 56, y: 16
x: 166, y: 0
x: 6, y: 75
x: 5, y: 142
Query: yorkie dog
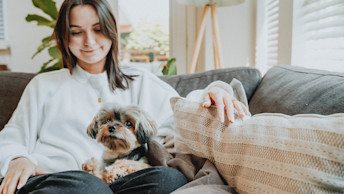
x: 124, y: 132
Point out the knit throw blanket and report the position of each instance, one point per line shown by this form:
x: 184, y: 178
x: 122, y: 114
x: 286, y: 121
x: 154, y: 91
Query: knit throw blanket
x: 267, y: 153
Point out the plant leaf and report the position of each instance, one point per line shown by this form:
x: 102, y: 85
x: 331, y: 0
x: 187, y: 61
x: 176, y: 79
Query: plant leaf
x: 46, y: 43
x: 170, y: 68
x: 46, y: 68
x: 41, y: 21
x: 46, y: 40
x: 54, y: 52
x: 47, y: 6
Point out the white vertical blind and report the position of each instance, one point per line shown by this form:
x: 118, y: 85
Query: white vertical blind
x: 272, y: 18
x: 2, y: 22
x: 5, y: 53
x: 3, y: 26
x: 274, y: 29
x: 267, y: 34
x: 318, y: 35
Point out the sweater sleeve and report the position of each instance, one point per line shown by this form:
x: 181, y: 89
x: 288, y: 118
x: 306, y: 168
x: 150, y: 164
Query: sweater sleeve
x: 18, y: 137
x: 235, y: 88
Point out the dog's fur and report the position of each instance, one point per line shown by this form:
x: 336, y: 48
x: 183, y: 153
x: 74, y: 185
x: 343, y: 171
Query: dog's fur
x: 124, y: 132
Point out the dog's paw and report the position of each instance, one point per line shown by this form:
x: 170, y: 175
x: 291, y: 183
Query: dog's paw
x: 121, y: 168
x: 114, y: 172
x: 91, y: 166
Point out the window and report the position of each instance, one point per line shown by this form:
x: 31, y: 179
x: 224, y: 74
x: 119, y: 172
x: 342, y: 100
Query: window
x: 144, y: 30
x: 313, y: 38
x: 274, y: 33
x: 3, y: 26
x: 4, y: 47
x: 318, y: 35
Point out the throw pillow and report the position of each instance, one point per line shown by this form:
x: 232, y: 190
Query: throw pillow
x: 267, y: 153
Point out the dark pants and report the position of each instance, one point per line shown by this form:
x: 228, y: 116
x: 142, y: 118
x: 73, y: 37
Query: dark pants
x: 156, y: 179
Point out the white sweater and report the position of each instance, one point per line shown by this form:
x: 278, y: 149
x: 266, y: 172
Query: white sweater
x: 49, y: 125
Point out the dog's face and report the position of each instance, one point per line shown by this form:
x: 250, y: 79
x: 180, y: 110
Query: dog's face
x: 122, y: 128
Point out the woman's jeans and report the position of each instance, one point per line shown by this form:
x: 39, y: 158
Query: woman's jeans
x: 157, y: 179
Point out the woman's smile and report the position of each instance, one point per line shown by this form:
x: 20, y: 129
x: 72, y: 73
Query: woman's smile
x: 90, y: 51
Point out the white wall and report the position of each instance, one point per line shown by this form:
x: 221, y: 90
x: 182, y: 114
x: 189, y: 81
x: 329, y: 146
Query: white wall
x: 237, y: 35
x: 236, y: 26
x: 24, y: 37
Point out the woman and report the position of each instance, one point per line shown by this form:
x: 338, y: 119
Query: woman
x: 45, y: 142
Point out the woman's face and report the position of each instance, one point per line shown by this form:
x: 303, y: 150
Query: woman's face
x: 86, y: 40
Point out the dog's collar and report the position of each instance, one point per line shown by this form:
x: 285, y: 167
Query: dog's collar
x: 136, y: 155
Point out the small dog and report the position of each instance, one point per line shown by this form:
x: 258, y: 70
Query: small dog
x: 124, y: 132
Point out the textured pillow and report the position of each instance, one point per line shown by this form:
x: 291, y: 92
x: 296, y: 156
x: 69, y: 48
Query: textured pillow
x: 268, y: 153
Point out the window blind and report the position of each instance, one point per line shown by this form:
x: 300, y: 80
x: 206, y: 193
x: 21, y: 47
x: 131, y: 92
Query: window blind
x: 267, y: 34
x: 2, y: 22
x: 3, y: 28
x: 274, y: 24
x: 272, y: 18
x: 318, y: 35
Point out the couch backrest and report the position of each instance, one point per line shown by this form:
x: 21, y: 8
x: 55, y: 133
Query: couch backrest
x: 295, y: 90
x: 12, y: 86
x: 184, y: 84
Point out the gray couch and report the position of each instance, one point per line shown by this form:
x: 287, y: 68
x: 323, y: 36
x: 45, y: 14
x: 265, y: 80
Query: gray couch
x: 284, y: 89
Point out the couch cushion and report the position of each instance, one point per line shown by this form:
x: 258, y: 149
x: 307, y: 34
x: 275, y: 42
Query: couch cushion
x: 295, y: 90
x: 12, y: 86
x: 268, y: 153
x: 184, y: 84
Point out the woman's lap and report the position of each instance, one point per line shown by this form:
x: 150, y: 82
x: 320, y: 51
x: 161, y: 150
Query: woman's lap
x: 156, y: 179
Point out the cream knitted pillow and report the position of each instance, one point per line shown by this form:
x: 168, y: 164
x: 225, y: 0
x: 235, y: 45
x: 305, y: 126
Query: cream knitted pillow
x: 268, y: 153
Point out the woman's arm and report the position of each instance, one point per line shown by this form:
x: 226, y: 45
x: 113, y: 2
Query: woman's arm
x: 18, y: 139
x: 20, y: 134
x: 228, y: 99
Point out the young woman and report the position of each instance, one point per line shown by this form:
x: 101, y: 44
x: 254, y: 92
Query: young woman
x: 45, y: 142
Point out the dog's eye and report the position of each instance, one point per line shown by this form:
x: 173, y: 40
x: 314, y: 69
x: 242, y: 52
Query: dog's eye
x: 108, y: 120
x: 128, y: 124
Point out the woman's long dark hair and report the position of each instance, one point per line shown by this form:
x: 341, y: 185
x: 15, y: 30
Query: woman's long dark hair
x: 117, y: 79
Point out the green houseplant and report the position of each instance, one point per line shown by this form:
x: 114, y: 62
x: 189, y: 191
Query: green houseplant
x: 170, y: 68
x: 50, y: 9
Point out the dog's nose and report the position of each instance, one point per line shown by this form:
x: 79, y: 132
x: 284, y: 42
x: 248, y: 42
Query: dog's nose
x: 112, y: 129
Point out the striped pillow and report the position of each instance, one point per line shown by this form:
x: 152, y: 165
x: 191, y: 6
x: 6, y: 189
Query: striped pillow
x: 268, y: 153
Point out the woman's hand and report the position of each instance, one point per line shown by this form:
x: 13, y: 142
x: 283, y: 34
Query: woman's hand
x: 224, y: 102
x: 19, y: 171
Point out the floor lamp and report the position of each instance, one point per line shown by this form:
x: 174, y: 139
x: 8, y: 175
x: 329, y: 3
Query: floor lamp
x: 208, y: 4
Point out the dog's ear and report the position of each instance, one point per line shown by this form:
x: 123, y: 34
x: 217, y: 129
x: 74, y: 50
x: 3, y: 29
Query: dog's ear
x: 92, y: 129
x: 145, y: 128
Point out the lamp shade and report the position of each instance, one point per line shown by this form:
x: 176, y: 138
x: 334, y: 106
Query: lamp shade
x: 211, y: 2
